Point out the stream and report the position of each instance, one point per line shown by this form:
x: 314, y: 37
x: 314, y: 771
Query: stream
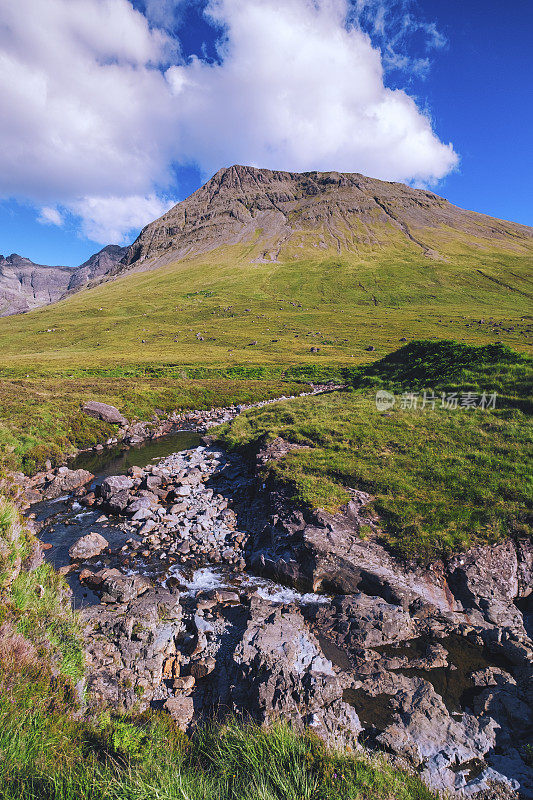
x: 437, y: 689
x: 65, y: 520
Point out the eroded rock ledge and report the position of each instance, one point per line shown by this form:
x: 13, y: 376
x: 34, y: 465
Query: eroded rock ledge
x: 432, y: 665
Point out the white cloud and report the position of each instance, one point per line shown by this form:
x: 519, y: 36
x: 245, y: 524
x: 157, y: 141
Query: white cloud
x: 98, y: 103
x: 297, y: 90
x: 108, y: 220
x: 50, y: 216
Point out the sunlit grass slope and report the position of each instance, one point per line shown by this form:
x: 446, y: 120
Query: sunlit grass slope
x: 222, y: 309
x: 444, y: 476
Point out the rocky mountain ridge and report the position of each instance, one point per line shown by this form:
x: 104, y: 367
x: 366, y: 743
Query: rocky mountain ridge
x: 259, y: 216
x: 25, y: 285
x: 284, y: 215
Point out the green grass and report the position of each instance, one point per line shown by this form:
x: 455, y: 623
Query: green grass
x: 249, y: 313
x: 134, y: 342
x: 442, y: 479
x: 52, y: 757
x: 449, y: 366
x: 35, y: 604
x: 41, y: 416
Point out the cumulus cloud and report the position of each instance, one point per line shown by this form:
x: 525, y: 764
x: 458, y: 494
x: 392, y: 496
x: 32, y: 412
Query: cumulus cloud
x: 108, y: 219
x: 298, y: 89
x: 99, y: 104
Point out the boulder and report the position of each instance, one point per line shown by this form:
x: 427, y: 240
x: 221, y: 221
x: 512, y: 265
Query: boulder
x: 66, y: 481
x: 202, y: 667
x: 115, y: 484
x: 88, y: 546
x: 128, y: 646
x: 115, y: 490
x: 123, y: 588
x: 104, y: 412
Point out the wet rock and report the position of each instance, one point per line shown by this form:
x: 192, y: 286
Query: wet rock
x: 66, y: 481
x: 224, y: 597
x: 88, y: 546
x: 104, y: 412
x: 115, y: 491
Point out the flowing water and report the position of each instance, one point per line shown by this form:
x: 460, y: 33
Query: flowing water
x: 65, y: 520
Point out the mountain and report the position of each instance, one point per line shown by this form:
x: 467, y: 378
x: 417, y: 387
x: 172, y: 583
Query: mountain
x: 274, y: 268
x: 25, y: 285
x: 284, y: 215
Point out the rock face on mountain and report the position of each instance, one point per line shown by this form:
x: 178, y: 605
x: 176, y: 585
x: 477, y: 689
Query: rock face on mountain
x: 284, y: 215
x: 96, y: 266
x: 25, y: 285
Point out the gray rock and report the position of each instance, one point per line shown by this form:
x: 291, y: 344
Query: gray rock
x: 66, y: 481
x: 181, y: 709
x: 115, y: 484
x: 279, y: 669
x: 123, y: 588
x: 88, y: 546
x: 104, y: 412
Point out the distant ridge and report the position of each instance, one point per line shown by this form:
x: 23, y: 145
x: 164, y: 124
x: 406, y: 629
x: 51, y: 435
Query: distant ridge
x: 25, y: 285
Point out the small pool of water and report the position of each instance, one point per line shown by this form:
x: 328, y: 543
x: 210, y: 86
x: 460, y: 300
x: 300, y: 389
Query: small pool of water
x: 117, y: 460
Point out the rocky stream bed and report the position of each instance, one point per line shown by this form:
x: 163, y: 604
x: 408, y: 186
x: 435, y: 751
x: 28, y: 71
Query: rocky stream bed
x: 201, y: 590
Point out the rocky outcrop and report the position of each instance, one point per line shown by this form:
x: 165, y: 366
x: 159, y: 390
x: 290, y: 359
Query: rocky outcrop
x: 278, y: 213
x: 432, y: 665
x: 127, y: 646
x: 25, y: 285
x: 280, y: 671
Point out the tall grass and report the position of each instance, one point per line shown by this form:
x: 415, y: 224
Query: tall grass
x: 150, y: 760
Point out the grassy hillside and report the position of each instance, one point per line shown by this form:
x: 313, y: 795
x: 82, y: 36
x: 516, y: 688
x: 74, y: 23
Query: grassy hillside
x: 275, y: 313
x: 443, y: 477
x: 139, y: 342
x: 49, y: 751
x: 41, y: 416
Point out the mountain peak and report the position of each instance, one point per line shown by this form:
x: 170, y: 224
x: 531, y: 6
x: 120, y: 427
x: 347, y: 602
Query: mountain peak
x: 283, y: 215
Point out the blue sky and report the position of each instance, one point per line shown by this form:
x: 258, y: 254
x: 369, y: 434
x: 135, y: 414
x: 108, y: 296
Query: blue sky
x: 114, y: 115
